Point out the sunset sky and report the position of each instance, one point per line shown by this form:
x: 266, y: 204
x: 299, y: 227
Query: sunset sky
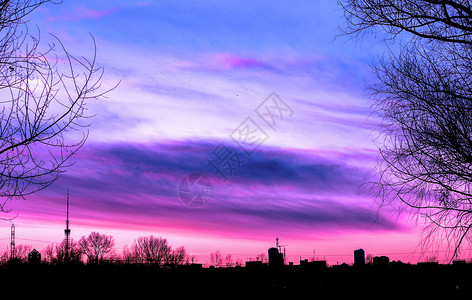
x: 192, y: 74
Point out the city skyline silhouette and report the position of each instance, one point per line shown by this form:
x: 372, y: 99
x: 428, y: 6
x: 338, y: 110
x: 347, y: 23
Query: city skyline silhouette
x: 290, y: 143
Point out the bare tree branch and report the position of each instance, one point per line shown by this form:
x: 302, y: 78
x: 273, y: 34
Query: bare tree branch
x: 43, y: 94
x: 423, y: 99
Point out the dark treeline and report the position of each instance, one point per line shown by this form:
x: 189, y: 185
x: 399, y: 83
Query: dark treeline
x: 151, y: 264
x: 99, y: 248
x: 370, y: 281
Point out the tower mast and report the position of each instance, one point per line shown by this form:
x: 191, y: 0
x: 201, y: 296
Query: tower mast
x: 12, y: 243
x: 67, y: 233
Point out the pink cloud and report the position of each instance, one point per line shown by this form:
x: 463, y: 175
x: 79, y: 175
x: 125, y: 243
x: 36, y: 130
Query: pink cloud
x: 244, y: 62
x: 223, y: 61
x: 83, y: 13
x: 233, y: 61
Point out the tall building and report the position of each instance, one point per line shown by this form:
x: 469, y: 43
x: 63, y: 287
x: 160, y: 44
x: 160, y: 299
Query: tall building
x: 359, y: 257
x: 276, y: 259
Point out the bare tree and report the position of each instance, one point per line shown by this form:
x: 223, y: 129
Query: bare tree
x: 178, y: 256
x: 262, y: 257
x: 43, y: 95
x: 4, y: 256
x: 216, y: 259
x: 127, y: 255
x: 229, y: 260
x: 21, y: 252
x: 423, y: 98
x: 192, y: 259
x: 239, y: 262
x: 443, y: 20
x: 56, y: 253
x: 97, y: 247
x: 20, y: 255
x: 431, y: 259
x: 150, y: 250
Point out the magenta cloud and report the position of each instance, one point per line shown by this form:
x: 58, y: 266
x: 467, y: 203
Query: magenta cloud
x: 276, y: 190
x: 232, y: 61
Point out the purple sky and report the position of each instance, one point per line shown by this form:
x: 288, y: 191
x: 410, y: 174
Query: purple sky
x: 190, y: 74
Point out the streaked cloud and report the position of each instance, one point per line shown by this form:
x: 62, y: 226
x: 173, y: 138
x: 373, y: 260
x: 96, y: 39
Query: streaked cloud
x: 280, y: 190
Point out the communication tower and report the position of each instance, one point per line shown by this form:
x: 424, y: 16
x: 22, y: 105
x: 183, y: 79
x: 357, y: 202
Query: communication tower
x: 67, y: 234
x: 12, y: 243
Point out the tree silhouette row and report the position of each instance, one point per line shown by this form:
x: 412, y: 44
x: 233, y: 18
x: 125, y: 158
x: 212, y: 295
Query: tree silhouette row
x: 99, y: 248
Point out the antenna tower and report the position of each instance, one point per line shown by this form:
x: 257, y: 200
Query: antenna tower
x: 67, y: 234
x: 12, y: 244
x: 279, y: 247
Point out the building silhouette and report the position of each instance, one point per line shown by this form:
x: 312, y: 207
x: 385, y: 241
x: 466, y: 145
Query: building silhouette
x: 34, y: 257
x: 255, y: 264
x: 276, y: 259
x: 380, y: 261
x: 359, y: 257
x: 315, y: 265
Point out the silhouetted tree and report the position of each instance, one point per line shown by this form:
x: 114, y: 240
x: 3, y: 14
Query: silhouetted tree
x: 178, y: 256
x: 56, y: 253
x: 192, y: 259
x: 228, y: 260
x: 442, y: 20
x: 262, y: 257
x: 423, y: 98
x: 43, y: 97
x: 216, y: 259
x: 97, y: 247
x: 127, y: 255
x: 239, y: 262
x: 21, y: 252
x: 4, y: 256
x: 431, y: 259
x: 149, y: 250
x: 20, y: 255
